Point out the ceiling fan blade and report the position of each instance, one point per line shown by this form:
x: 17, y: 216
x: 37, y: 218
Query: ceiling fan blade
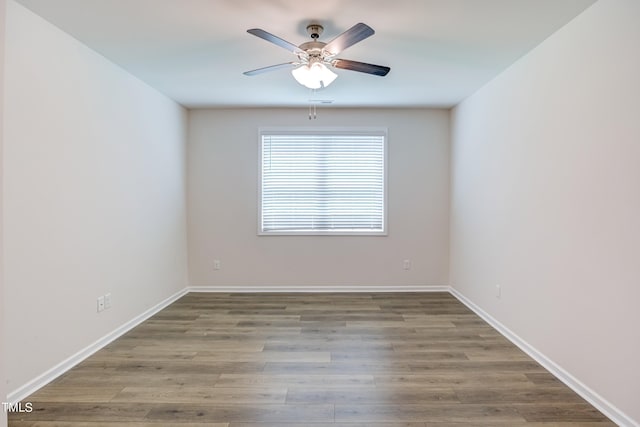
x: 345, y: 64
x: 275, y: 40
x: 269, y: 68
x: 350, y: 37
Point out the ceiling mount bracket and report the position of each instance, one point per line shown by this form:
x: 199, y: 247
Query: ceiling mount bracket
x: 315, y: 30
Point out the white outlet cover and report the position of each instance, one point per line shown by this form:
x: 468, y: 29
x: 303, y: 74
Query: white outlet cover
x: 100, y: 304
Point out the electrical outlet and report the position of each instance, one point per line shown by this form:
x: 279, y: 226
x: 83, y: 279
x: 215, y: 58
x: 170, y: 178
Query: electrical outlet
x: 406, y: 264
x: 100, y: 304
x: 498, y: 291
x: 216, y: 264
x: 107, y: 301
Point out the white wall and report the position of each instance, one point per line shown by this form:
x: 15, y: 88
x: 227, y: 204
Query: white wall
x: 546, y: 200
x: 3, y: 378
x: 94, y: 196
x: 223, y: 180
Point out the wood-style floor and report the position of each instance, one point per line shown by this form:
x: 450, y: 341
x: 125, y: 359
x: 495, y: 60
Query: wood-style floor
x: 312, y: 360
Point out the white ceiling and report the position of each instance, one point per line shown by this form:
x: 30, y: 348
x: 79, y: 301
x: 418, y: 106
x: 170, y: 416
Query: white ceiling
x: 194, y: 51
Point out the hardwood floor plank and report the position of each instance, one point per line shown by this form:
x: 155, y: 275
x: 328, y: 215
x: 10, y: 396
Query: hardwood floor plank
x: 172, y: 413
x: 63, y: 393
x: 496, y: 356
x: 387, y: 424
x: 504, y: 380
x: 336, y: 367
x: 420, y: 412
x: 290, y: 380
x: 263, y: 356
x: 514, y: 394
x: 521, y: 424
x: 202, y: 395
x: 414, y: 357
x: 470, y: 365
x: 74, y: 411
x: 326, y: 345
x: 106, y: 424
x: 198, y: 344
x: 100, y: 380
x: 567, y: 412
x: 543, y: 378
x: 361, y: 395
x: 171, y: 367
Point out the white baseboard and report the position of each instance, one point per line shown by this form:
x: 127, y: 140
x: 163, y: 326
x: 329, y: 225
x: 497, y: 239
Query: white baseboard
x: 319, y: 289
x: 604, y: 406
x: 62, y: 367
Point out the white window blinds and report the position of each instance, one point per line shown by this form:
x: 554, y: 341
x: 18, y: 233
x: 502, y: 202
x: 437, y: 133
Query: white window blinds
x: 321, y: 183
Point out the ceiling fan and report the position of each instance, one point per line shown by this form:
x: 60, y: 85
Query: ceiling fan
x: 314, y: 56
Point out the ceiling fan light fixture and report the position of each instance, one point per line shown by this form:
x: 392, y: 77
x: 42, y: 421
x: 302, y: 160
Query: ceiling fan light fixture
x: 314, y: 75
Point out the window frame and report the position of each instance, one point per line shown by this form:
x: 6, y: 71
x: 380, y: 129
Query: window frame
x: 370, y: 130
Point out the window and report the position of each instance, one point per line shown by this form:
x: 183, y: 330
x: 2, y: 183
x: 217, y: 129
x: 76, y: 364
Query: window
x: 322, y: 182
